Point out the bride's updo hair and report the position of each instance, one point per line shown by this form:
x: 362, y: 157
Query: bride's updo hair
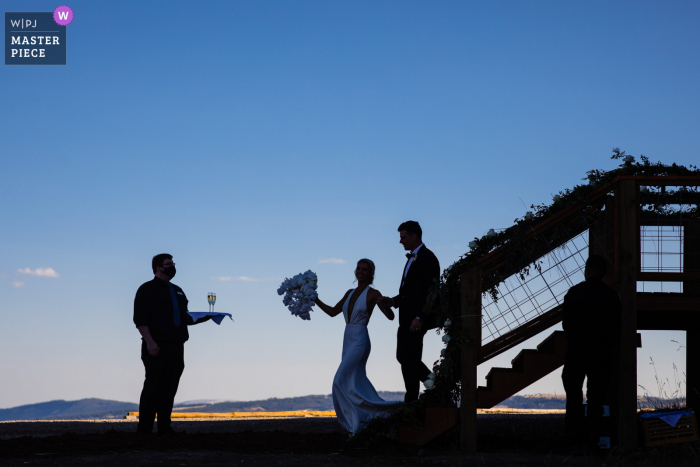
x: 369, y: 263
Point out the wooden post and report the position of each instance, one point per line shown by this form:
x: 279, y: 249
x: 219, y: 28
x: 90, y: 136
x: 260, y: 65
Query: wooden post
x: 601, y: 237
x: 628, y: 234
x: 471, y: 322
x: 691, y: 263
x: 692, y: 368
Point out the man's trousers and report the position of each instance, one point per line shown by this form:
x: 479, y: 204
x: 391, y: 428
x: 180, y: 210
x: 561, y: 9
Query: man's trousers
x: 162, y: 378
x: 594, y: 361
x: 409, y: 353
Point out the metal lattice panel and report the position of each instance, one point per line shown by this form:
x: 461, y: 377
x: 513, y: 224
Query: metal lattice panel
x: 662, y: 250
x: 669, y: 226
x: 520, y: 299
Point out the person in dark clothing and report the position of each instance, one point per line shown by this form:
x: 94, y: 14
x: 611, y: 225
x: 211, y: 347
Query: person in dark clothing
x: 160, y: 315
x: 592, y: 314
x: 422, y: 268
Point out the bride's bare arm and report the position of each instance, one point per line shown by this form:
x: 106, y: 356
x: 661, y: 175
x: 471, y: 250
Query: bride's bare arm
x: 332, y: 310
x: 376, y: 295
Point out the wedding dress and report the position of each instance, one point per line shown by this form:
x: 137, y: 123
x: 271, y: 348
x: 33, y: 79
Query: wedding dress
x: 354, y: 398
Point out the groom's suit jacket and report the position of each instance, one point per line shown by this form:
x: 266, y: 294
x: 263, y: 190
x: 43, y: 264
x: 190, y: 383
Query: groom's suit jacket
x: 414, y: 288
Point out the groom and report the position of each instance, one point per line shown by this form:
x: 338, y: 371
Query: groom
x: 422, y: 267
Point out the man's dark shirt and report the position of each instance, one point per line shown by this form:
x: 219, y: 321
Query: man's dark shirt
x: 592, y: 313
x: 153, y: 307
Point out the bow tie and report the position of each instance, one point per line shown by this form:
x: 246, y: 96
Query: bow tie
x: 411, y: 255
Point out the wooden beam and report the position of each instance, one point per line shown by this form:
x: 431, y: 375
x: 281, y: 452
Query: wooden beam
x: 628, y: 234
x: 692, y: 368
x: 600, y: 192
x: 601, y: 238
x: 471, y: 323
x: 691, y: 289
x: 660, y: 302
x: 616, y: 205
x: 664, y: 320
x: 669, y: 276
x: 549, y: 222
x: 654, y: 221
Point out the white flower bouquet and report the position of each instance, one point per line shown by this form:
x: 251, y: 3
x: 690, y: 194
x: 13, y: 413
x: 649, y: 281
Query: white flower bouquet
x: 299, y: 293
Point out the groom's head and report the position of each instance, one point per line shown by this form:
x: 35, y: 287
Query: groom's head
x: 411, y: 235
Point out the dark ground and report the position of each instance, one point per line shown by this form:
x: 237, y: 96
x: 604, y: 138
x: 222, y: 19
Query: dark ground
x: 504, y: 440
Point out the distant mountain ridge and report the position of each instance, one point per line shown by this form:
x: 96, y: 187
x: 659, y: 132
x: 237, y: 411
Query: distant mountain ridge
x: 94, y: 409
x: 74, y: 410
x: 536, y: 401
x: 316, y: 402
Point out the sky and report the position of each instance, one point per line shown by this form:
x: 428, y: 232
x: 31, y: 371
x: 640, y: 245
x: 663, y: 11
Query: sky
x: 256, y: 140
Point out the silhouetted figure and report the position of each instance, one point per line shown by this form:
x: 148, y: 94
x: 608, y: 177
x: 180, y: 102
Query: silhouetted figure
x: 160, y: 314
x: 422, y: 268
x: 354, y: 398
x: 592, y: 313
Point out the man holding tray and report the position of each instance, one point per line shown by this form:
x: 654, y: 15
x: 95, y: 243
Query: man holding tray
x: 160, y: 315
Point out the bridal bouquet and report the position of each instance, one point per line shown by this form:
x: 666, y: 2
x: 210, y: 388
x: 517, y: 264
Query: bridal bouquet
x: 299, y: 293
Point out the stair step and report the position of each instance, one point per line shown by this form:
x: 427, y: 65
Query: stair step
x: 437, y: 421
x: 549, y: 344
x: 518, y: 361
x: 527, y: 367
x: 508, y: 378
x: 496, y: 369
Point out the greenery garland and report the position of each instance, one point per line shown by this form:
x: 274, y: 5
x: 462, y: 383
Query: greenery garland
x: 443, y: 302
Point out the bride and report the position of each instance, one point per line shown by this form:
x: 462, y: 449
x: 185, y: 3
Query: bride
x: 355, y: 399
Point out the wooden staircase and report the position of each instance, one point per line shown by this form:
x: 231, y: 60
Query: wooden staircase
x: 529, y: 366
x: 610, y: 223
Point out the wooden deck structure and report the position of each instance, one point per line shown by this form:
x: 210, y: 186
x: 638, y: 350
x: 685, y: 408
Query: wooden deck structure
x: 617, y: 237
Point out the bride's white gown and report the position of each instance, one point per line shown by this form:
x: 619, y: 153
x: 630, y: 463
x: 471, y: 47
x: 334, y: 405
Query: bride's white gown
x: 354, y: 397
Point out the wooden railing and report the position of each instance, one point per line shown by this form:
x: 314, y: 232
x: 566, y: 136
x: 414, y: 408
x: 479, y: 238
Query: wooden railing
x: 496, y: 259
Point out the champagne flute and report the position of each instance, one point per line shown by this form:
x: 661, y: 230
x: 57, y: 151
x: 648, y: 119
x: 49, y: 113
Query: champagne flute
x: 211, y: 298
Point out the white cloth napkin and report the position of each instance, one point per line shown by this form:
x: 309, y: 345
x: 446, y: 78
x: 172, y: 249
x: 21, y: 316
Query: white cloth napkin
x: 216, y: 317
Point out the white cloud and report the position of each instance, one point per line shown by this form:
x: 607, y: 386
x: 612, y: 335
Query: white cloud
x: 332, y: 261
x: 39, y: 272
x: 244, y: 278
x: 17, y: 284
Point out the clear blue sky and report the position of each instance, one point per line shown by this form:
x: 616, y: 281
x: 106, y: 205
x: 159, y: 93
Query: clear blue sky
x: 255, y: 139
